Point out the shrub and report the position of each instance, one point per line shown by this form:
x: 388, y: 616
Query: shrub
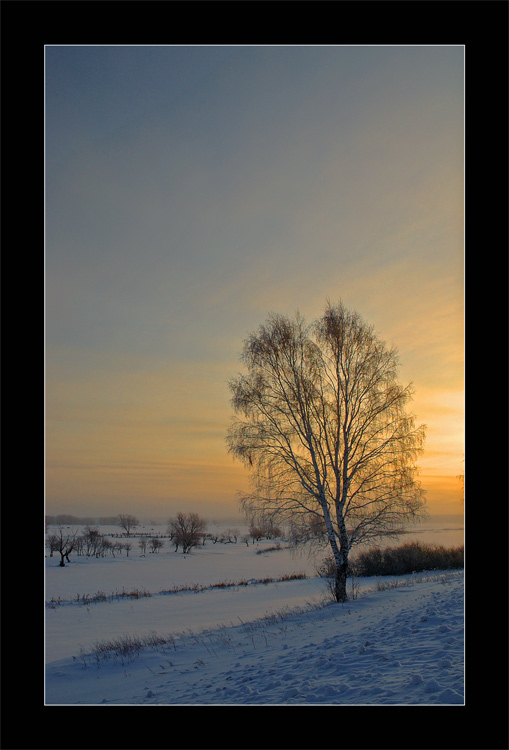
x: 262, y: 551
x: 408, y: 558
x: 391, y: 561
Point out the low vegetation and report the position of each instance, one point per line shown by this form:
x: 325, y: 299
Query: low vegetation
x: 397, y: 583
x: 126, y: 648
x: 100, y: 597
x: 412, y: 557
x: 275, y: 548
x: 408, y: 558
x: 197, y: 587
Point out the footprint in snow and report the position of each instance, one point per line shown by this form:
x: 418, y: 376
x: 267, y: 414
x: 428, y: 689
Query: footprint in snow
x: 445, y: 663
x: 432, y: 686
x: 416, y: 679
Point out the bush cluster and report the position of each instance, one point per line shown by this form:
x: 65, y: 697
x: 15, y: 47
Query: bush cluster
x: 409, y: 558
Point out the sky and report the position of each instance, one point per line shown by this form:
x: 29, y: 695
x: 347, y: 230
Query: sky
x: 192, y: 190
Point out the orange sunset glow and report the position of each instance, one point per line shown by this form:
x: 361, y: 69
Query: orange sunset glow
x: 191, y: 191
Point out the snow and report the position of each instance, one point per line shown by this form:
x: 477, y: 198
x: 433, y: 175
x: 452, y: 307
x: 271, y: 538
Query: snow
x: 275, y: 643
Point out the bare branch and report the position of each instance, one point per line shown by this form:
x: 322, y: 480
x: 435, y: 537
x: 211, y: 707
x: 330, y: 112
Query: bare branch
x: 322, y: 428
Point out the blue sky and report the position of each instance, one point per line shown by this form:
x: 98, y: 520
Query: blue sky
x: 192, y: 190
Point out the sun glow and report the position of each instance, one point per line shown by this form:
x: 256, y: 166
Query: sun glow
x: 270, y: 181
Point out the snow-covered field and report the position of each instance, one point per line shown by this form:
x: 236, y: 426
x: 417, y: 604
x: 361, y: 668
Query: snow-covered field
x: 270, y: 643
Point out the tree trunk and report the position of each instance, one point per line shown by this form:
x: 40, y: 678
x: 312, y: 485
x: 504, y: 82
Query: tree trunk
x: 340, y: 554
x: 340, y: 582
x: 341, y: 561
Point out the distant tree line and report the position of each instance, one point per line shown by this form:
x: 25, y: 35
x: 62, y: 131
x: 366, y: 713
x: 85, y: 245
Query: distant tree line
x: 90, y: 543
x: 263, y: 528
x: 65, y: 519
x: 186, y: 531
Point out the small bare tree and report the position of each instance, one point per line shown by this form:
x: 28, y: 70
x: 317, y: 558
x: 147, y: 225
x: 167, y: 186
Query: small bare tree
x: 142, y: 544
x: 64, y: 542
x: 322, y: 428
x: 230, y: 536
x: 92, y: 541
x: 186, y: 530
x: 128, y: 522
x: 156, y: 544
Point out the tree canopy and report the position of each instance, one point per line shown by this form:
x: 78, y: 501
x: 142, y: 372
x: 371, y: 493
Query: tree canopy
x: 321, y: 423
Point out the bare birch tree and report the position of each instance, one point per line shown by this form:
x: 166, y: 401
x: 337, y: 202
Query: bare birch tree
x: 321, y: 425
